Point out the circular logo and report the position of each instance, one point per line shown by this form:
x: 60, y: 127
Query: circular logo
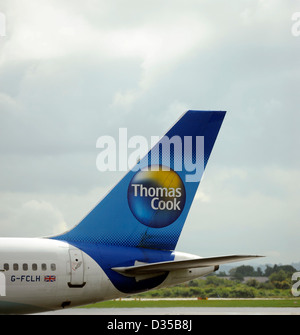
x: 156, y: 198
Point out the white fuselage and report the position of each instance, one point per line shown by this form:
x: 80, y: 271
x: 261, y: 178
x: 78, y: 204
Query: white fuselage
x: 39, y: 274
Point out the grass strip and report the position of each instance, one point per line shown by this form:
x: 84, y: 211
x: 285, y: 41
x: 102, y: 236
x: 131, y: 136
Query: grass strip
x: 195, y: 303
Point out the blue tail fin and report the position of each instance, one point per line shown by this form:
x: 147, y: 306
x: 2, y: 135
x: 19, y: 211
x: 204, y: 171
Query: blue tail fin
x: 149, y: 206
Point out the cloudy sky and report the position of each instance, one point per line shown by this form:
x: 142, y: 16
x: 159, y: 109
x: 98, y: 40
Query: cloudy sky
x: 71, y: 71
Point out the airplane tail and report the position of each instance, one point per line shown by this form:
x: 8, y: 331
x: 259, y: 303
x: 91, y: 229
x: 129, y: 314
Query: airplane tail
x: 149, y: 206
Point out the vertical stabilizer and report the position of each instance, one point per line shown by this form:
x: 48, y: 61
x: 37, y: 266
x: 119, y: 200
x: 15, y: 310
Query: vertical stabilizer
x: 149, y: 206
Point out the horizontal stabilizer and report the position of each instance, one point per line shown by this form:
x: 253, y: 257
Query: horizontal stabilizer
x: 153, y: 268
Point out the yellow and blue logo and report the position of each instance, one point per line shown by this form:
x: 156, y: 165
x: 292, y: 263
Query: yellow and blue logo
x: 156, y: 196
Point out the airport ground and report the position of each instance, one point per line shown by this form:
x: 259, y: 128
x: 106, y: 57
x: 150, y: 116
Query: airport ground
x: 180, y: 311
x: 188, y: 307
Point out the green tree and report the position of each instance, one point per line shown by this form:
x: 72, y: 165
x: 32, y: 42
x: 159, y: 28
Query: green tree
x: 252, y: 283
x: 278, y: 276
x: 244, y: 271
x: 259, y: 272
x: 277, y: 268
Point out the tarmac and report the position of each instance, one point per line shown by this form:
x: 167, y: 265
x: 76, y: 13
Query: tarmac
x: 179, y: 311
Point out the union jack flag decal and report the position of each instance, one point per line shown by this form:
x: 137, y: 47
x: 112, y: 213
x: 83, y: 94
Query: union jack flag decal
x: 50, y: 278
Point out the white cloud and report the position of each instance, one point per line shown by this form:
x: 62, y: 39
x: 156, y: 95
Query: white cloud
x: 33, y: 218
x: 202, y: 197
x: 253, y: 210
